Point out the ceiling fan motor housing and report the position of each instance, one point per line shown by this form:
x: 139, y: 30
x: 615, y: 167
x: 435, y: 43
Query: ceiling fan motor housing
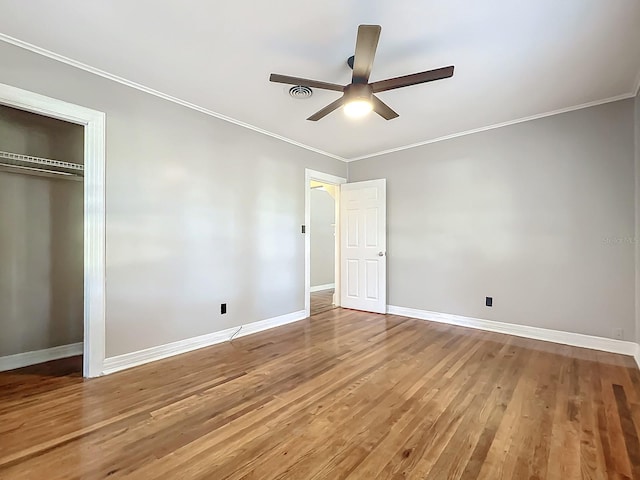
x: 350, y: 61
x: 358, y: 91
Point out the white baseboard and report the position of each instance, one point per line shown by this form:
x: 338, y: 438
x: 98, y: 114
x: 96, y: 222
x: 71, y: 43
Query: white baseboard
x: 140, y: 357
x: 536, y: 333
x: 133, y: 359
x: 319, y: 288
x: 262, y: 325
x: 20, y: 360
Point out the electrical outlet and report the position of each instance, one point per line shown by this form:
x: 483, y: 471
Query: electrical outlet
x: 223, y: 308
x: 488, y: 301
x: 618, y: 333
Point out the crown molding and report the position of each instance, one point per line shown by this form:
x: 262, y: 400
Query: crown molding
x: 496, y: 125
x: 96, y: 71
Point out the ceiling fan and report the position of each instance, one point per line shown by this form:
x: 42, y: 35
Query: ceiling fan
x: 358, y: 97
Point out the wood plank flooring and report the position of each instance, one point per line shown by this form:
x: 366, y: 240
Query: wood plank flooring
x: 344, y: 394
x: 321, y: 301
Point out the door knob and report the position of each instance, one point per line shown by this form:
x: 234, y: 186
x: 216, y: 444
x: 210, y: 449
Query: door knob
x: 381, y: 254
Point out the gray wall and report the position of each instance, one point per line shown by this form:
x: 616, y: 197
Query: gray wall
x: 199, y: 211
x: 539, y: 215
x: 637, y: 233
x: 41, y: 240
x: 40, y: 136
x: 323, y: 240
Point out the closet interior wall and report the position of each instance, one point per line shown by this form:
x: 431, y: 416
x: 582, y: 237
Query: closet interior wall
x: 41, y: 238
x: 323, y: 240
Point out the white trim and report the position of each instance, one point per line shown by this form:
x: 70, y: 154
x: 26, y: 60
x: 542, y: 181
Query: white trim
x: 274, y: 322
x: 497, y: 125
x: 94, y: 210
x: 536, y: 333
x: 25, y: 359
x: 151, y: 91
x: 96, y: 71
x: 333, y: 180
x: 319, y: 288
x: 133, y: 359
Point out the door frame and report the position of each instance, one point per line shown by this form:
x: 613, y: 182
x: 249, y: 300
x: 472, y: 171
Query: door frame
x: 333, y: 180
x: 94, y: 123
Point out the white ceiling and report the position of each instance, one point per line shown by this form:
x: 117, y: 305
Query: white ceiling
x: 513, y: 59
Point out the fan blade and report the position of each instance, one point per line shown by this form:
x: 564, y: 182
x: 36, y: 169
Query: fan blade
x: 366, y: 44
x: 383, y: 109
x: 326, y: 110
x: 413, y: 79
x: 276, y: 78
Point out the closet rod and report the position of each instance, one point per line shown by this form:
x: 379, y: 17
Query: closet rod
x: 8, y: 167
x: 41, y: 161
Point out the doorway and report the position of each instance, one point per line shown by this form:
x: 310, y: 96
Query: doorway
x: 322, y: 233
x: 92, y: 123
x: 322, y: 241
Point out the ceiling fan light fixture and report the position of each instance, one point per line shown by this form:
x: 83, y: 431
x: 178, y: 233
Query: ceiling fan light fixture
x: 358, y: 100
x: 358, y: 108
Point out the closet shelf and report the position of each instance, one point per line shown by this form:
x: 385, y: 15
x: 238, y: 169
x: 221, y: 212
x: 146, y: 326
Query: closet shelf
x: 41, y: 161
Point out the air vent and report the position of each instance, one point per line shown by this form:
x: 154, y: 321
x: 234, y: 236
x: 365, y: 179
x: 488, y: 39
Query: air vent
x: 300, y: 92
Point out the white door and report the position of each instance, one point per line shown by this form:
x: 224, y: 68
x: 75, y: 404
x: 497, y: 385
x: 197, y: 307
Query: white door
x: 363, y: 245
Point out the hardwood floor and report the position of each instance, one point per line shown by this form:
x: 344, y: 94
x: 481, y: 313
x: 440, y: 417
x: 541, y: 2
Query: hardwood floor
x: 344, y: 394
x: 322, y: 301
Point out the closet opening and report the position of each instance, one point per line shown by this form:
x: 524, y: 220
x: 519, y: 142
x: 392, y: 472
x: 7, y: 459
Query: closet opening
x: 41, y: 244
